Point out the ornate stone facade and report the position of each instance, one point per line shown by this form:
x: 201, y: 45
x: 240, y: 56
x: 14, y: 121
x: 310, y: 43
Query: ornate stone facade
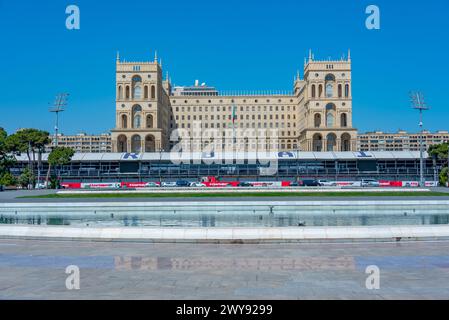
x: 317, y: 116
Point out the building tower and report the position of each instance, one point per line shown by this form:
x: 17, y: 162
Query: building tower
x: 326, y: 106
x: 142, y: 107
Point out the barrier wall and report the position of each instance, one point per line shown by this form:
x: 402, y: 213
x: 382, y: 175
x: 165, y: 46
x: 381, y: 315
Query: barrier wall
x: 217, y: 184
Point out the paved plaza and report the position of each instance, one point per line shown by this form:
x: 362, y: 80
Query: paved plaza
x: 117, y: 270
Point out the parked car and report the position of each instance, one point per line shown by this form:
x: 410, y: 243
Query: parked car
x: 182, y: 183
x: 294, y: 184
x: 197, y: 185
x: 244, y: 184
x: 309, y: 183
x: 168, y: 184
x: 327, y: 183
x: 41, y: 185
x: 370, y: 183
x: 151, y: 185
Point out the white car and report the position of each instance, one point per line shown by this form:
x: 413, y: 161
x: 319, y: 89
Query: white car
x: 327, y: 183
x: 151, y: 185
x: 168, y: 184
x: 370, y: 183
x: 197, y: 185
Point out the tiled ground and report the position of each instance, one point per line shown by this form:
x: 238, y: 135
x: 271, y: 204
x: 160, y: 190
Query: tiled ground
x: 36, y: 270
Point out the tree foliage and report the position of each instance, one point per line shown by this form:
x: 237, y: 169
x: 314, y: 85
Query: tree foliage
x: 6, y: 160
x: 28, y: 140
x: 443, y: 176
x: 60, y: 156
x: 27, y: 178
x: 439, y: 150
x: 7, y: 179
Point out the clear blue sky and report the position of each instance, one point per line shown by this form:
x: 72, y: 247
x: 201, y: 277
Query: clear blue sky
x: 233, y: 45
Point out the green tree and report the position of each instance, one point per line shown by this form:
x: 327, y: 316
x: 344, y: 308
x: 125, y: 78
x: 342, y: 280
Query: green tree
x: 7, y: 179
x: 440, y: 151
x: 59, y: 156
x: 443, y: 176
x: 29, y: 141
x: 6, y: 159
x: 27, y: 178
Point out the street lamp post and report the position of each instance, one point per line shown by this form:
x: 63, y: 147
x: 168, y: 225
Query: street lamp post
x: 160, y: 161
x: 447, y: 142
x: 58, y: 107
x: 419, y: 104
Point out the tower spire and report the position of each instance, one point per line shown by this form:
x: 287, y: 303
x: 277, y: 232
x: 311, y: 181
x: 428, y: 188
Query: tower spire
x: 155, y: 56
x: 118, y: 56
x: 297, y: 75
x: 310, y: 55
x: 349, y: 54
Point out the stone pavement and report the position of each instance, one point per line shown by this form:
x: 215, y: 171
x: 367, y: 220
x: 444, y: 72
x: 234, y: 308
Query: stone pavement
x: 36, y: 270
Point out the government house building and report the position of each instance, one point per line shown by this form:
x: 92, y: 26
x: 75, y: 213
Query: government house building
x: 153, y: 116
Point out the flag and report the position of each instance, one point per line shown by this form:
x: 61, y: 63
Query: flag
x: 234, y: 114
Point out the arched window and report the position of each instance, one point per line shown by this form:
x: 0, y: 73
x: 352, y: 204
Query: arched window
x: 345, y: 142
x: 330, y: 77
x: 136, y: 117
x: 137, y: 87
x: 127, y: 92
x: 313, y: 91
x: 137, y: 121
x: 317, y: 142
x: 153, y: 92
x: 340, y: 93
x: 124, y: 121
x: 331, y: 142
x: 330, y: 115
x: 317, y: 120
x: 343, y: 120
x: 330, y: 119
x: 122, y: 144
x: 137, y: 92
x: 145, y: 92
x: 150, y: 144
x: 347, y: 90
x: 136, y: 145
x: 329, y: 90
x: 120, y: 93
x: 149, y: 121
x: 320, y: 90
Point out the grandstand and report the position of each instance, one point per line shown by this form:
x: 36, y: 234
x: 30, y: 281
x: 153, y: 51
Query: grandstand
x: 103, y: 167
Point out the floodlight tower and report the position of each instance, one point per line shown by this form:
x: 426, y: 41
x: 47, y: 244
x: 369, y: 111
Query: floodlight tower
x: 418, y: 103
x: 58, y: 106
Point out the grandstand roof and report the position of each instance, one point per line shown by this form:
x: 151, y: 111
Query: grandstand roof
x: 172, y: 156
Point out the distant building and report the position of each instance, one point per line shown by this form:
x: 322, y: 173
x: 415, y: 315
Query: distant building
x: 196, y: 90
x: 400, y: 141
x: 83, y: 142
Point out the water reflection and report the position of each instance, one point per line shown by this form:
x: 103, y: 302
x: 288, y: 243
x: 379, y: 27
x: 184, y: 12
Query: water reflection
x: 226, y: 219
x: 137, y: 263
